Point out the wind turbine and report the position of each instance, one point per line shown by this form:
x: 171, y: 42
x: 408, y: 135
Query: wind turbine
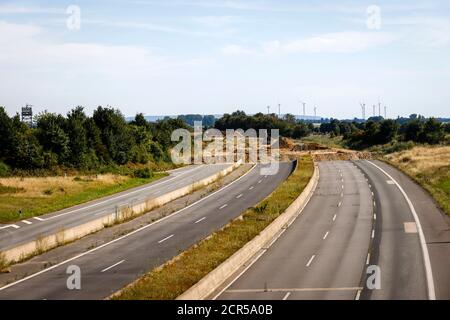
x: 268, y: 109
x: 385, y: 113
x: 304, y: 108
x: 374, y: 106
x: 315, y: 111
x: 363, y: 110
x: 279, y: 110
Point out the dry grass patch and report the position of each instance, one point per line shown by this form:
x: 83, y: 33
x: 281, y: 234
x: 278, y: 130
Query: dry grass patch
x: 430, y: 167
x: 175, y: 277
x: 37, y: 186
x: 23, y: 197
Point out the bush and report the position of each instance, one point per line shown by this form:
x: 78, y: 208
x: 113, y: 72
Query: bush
x: 4, y: 169
x: 144, y: 173
x: 399, y: 146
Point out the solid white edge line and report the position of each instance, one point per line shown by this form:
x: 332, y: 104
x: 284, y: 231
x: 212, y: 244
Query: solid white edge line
x: 114, y: 265
x: 423, y: 244
x: 124, y: 236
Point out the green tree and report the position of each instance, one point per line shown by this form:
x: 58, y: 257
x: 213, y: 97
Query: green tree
x: 387, y: 131
x: 432, y: 132
x: 412, y: 130
x: 76, y: 132
x: 114, y: 133
x: 7, y: 135
x: 51, y: 135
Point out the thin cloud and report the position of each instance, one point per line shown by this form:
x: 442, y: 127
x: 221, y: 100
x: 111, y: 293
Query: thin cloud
x: 214, y: 21
x: 18, y: 9
x: 161, y: 28
x: 339, y: 42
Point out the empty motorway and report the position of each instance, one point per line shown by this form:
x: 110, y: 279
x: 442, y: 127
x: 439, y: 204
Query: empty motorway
x: 24, y: 231
x: 362, y: 213
x: 111, y: 266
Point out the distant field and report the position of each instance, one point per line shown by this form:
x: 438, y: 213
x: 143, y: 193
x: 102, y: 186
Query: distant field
x: 325, y: 140
x: 429, y: 166
x: 35, y: 196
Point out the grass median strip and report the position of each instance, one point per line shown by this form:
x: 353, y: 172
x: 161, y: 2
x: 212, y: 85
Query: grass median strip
x: 173, y: 278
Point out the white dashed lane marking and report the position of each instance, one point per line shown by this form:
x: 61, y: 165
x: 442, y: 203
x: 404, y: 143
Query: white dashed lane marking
x: 10, y: 226
x: 225, y: 205
x: 114, y: 265
x: 310, y: 260
x: 166, y: 238
x: 410, y: 227
x: 200, y: 220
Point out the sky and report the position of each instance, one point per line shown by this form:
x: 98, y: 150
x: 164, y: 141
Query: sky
x: 165, y: 57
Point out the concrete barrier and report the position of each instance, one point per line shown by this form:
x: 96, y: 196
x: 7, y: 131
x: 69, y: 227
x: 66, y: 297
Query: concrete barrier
x: 208, y: 284
x: 121, y: 214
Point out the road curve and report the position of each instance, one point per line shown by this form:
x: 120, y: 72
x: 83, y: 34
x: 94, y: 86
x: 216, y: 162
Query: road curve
x: 111, y: 266
x: 322, y: 254
x: 28, y: 230
x: 326, y: 252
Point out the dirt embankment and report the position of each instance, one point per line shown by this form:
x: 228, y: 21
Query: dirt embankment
x: 292, y: 149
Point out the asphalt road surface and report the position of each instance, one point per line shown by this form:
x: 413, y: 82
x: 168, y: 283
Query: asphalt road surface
x: 357, y: 220
x: 30, y: 229
x: 107, y: 268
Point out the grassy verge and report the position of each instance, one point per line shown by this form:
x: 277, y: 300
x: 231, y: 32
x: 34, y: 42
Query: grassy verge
x: 35, y: 196
x: 428, y: 166
x: 175, y: 277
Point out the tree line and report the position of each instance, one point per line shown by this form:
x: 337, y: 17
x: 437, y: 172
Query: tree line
x: 84, y: 142
x: 379, y: 131
x: 288, y: 125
